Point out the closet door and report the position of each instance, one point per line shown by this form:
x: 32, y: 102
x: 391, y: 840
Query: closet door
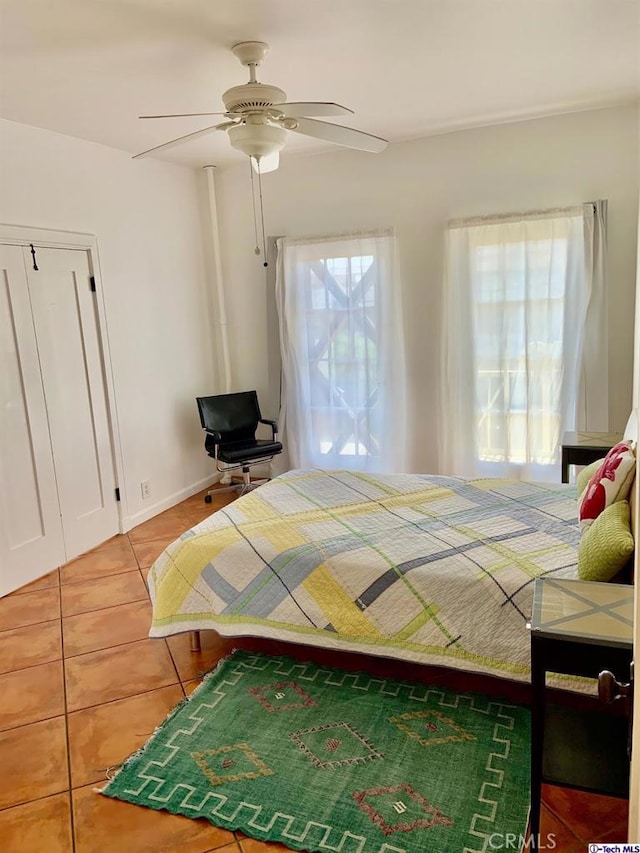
x: 31, y: 541
x: 67, y: 334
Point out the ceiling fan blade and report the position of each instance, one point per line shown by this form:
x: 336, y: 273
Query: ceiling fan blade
x: 312, y: 108
x: 184, y: 115
x: 178, y: 141
x: 340, y: 135
x: 267, y: 163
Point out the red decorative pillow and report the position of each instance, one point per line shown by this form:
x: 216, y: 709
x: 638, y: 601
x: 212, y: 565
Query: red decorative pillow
x: 610, y: 483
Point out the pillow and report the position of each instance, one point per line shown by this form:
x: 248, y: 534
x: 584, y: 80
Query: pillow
x: 583, y: 477
x: 610, y: 483
x: 607, y: 545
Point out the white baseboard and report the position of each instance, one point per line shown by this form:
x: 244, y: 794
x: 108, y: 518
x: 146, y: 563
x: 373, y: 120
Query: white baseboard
x: 130, y: 521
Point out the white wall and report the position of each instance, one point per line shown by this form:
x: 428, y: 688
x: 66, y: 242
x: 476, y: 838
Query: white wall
x: 146, y: 216
x: 416, y: 187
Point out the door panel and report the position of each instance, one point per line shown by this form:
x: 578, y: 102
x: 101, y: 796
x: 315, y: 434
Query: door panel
x: 72, y: 373
x: 30, y: 532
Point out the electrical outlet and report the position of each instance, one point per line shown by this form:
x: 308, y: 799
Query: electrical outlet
x: 145, y: 488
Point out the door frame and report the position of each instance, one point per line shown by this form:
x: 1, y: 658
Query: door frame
x: 49, y: 238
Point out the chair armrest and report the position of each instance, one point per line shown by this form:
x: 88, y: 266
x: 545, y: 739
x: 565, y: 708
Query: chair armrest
x: 272, y: 424
x: 216, y: 436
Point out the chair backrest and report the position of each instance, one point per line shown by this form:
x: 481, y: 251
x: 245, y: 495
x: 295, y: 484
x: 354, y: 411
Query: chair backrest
x: 234, y: 416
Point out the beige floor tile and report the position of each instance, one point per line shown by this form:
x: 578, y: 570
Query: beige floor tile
x: 105, y: 735
x: 101, y: 629
x: 198, y: 514
x: 97, y: 564
x: 100, y: 820
x: 16, y: 611
x: 190, y: 686
x: 147, y: 552
x: 30, y: 646
x: 195, y: 506
x: 582, y: 811
x: 555, y: 832
x: 45, y: 582
x: 171, y: 523
x: 115, y: 673
x: 192, y: 665
x: 252, y: 845
x: 613, y: 836
x: 194, y: 501
x: 34, y: 762
x: 104, y: 592
x: 120, y: 540
x: 41, y: 826
x: 29, y: 695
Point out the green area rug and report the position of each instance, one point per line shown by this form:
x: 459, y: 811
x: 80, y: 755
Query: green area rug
x: 325, y: 760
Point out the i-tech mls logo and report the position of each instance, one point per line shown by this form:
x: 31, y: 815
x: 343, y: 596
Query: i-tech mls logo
x: 614, y: 848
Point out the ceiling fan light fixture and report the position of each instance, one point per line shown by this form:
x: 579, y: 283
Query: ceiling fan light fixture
x: 259, y: 117
x: 257, y: 140
x: 253, y: 96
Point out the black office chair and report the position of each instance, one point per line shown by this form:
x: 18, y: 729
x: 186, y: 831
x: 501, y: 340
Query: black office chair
x: 231, y: 421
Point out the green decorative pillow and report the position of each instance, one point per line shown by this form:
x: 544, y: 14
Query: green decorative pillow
x: 583, y: 477
x: 607, y: 544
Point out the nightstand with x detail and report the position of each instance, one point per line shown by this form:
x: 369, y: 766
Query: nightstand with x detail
x: 585, y: 629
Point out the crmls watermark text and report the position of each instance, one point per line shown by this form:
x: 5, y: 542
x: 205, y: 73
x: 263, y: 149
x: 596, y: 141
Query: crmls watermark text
x: 511, y: 841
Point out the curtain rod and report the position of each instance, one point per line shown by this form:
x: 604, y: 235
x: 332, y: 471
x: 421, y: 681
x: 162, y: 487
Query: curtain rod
x: 489, y: 219
x: 344, y: 236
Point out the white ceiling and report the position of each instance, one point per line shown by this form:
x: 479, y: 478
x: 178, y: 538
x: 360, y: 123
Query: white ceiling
x: 408, y: 68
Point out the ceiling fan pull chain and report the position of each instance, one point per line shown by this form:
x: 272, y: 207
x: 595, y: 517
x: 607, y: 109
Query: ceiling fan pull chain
x: 256, y: 251
x: 264, y: 241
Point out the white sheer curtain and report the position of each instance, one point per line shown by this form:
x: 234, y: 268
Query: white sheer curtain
x: 593, y: 410
x: 520, y: 292
x: 341, y: 343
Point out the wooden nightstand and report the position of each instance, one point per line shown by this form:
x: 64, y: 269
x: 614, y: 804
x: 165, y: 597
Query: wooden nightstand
x: 582, y: 448
x: 578, y: 628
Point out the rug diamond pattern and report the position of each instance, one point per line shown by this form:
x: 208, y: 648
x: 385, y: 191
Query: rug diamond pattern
x: 231, y: 764
x: 282, y: 696
x: 430, y: 728
x: 334, y: 745
x: 399, y: 809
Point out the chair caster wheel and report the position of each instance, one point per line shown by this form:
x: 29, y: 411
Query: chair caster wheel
x: 208, y: 499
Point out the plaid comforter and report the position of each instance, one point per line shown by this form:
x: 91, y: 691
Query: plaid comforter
x: 437, y: 570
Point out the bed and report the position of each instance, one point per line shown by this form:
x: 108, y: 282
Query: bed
x: 430, y: 569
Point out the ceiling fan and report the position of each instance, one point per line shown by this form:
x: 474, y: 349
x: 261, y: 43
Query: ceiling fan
x: 258, y: 118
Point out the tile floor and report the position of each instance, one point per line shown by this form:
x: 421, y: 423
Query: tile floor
x: 82, y: 687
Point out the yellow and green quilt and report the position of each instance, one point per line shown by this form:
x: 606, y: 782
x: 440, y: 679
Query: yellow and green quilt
x: 437, y: 570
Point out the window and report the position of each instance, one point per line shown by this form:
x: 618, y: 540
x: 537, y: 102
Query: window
x: 335, y: 301
x: 516, y: 296
x: 519, y: 303
x: 343, y: 366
